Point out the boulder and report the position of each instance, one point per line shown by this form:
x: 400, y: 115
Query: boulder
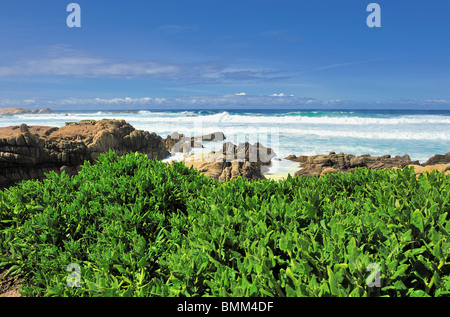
x: 30, y: 152
x: 180, y: 143
x: 438, y: 159
x: 247, y: 160
x: 42, y: 111
x: 215, y: 137
x: 443, y: 168
x: 299, y: 159
x: 328, y: 170
x: 331, y: 163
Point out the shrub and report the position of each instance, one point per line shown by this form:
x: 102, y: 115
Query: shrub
x: 139, y: 227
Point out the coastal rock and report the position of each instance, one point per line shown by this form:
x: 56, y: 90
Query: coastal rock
x: 179, y: 143
x: 171, y: 140
x: 332, y: 163
x: 443, y: 168
x: 42, y: 111
x: 438, y: 159
x: 328, y: 170
x: 247, y: 160
x: 212, y: 137
x: 27, y: 152
x: 299, y: 159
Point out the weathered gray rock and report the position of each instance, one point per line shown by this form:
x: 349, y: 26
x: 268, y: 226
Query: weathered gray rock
x: 180, y: 143
x: 332, y: 163
x: 247, y: 160
x: 299, y: 159
x: 42, y: 111
x: 438, y: 159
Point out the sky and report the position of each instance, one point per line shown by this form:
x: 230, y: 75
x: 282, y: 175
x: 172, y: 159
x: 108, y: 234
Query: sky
x: 215, y: 53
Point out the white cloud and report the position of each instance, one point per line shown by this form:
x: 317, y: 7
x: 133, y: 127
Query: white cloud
x: 338, y: 65
x: 76, y: 64
x: 183, y: 101
x: 241, y: 94
x: 231, y: 101
x: 438, y: 101
x: 278, y: 95
x: 87, y: 67
x: 111, y: 101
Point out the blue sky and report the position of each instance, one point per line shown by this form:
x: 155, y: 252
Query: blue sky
x: 170, y: 53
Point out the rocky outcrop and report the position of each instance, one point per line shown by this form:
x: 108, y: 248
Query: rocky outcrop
x: 299, y: 159
x: 332, y: 163
x: 443, y: 168
x: 17, y: 111
x: 30, y: 152
x: 179, y: 143
x: 438, y: 159
x: 438, y: 162
x: 42, y: 111
x: 247, y: 160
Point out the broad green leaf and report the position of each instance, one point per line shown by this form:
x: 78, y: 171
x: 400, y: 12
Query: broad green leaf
x: 417, y: 219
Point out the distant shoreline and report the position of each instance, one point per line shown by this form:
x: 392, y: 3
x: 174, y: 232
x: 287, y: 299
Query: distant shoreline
x: 19, y: 111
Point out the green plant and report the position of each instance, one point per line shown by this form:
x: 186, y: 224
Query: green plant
x: 139, y: 227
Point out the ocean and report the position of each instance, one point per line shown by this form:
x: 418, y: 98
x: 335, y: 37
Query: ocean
x: 420, y: 134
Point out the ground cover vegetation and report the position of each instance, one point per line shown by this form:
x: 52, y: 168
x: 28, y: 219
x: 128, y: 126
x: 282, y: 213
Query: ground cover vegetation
x: 140, y: 227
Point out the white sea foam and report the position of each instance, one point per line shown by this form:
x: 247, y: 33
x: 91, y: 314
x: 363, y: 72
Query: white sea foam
x: 225, y: 117
x: 306, y: 133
